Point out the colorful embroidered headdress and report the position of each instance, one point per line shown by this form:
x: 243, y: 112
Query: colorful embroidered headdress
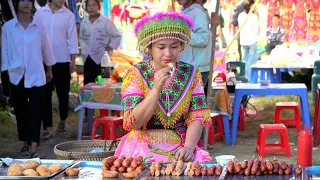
x: 163, y: 26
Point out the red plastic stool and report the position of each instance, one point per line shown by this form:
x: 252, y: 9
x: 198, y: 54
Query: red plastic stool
x: 241, y: 123
x: 264, y: 131
x: 295, y: 121
x: 211, y: 139
x: 212, y: 134
x: 219, y: 119
x: 109, y: 123
x: 105, y: 112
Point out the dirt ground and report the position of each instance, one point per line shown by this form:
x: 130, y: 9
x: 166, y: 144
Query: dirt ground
x: 244, y: 148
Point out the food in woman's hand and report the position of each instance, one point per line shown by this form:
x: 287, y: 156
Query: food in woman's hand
x: 15, y: 170
x: 54, y: 168
x: 30, y: 172
x: 109, y: 174
x: 43, y: 171
x: 72, y: 171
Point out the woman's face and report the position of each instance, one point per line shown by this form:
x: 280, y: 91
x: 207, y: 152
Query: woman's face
x: 92, y: 7
x: 25, y: 6
x: 166, y: 51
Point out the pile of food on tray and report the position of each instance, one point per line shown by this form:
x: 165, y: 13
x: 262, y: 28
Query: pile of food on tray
x: 34, y: 168
x: 129, y: 167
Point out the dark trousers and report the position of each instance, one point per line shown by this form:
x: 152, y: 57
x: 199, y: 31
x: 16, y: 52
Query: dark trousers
x: 91, y: 70
x: 28, y: 109
x: 60, y: 82
x: 205, y: 78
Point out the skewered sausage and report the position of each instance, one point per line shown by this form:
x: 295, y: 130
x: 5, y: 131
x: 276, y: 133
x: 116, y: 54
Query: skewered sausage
x: 127, y: 162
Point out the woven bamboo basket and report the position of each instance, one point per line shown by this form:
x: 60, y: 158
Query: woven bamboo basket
x: 80, y: 150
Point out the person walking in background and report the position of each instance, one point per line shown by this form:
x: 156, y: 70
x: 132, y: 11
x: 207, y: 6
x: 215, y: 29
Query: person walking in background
x: 199, y: 51
x: 61, y: 26
x: 249, y: 36
x: 275, y: 34
x: 237, y: 10
x: 97, y: 35
x: 25, y: 48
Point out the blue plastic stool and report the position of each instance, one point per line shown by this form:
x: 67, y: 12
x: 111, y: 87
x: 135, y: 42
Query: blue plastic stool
x: 254, y: 74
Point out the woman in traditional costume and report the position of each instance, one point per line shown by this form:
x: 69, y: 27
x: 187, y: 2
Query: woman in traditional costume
x: 165, y: 108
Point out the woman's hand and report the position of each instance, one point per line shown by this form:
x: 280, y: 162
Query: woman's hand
x: 160, y: 77
x: 185, y: 154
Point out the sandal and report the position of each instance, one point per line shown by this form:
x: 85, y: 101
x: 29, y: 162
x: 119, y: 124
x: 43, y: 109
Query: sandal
x: 61, y: 127
x: 45, y: 136
x: 34, y: 155
x: 25, y: 151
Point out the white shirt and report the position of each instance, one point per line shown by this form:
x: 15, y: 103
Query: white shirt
x: 249, y: 33
x: 61, y: 26
x: 94, y: 37
x: 24, y: 51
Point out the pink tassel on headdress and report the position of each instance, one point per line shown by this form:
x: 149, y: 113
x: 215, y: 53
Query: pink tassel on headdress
x: 161, y: 15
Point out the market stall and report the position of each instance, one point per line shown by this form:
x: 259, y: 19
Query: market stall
x: 137, y: 168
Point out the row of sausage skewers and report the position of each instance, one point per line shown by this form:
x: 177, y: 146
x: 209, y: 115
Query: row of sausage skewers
x: 187, y: 169
x: 260, y: 167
